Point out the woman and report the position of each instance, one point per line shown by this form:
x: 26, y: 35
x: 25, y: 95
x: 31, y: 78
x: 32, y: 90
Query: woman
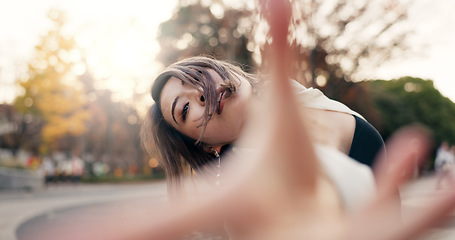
x: 201, y: 106
x: 269, y: 199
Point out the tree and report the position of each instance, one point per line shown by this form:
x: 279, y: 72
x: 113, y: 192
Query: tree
x: 198, y: 29
x: 331, y: 39
x: 10, y: 128
x: 112, y: 135
x: 51, y: 91
x: 413, y: 100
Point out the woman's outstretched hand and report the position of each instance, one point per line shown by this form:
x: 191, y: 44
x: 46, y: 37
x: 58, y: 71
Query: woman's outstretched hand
x: 273, y: 192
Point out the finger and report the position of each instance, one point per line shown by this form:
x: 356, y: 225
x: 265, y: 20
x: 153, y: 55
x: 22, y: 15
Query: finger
x: 279, y: 12
x: 381, y: 221
x: 437, y: 211
x: 289, y: 138
x: 405, y: 151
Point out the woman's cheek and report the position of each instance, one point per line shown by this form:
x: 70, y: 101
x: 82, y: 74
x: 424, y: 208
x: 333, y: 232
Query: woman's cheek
x: 213, y: 134
x: 221, y: 133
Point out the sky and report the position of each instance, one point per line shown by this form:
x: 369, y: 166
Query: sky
x: 433, y: 50
x: 119, y: 37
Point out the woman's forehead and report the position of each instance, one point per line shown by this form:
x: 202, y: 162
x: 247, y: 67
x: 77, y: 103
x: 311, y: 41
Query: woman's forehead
x: 208, y: 74
x: 170, y: 88
x: 169, y: 93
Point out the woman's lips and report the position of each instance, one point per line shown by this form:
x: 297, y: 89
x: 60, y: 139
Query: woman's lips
x: 222, y: 94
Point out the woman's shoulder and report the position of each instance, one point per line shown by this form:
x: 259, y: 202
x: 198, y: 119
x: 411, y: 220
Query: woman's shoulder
x: 315, y: 98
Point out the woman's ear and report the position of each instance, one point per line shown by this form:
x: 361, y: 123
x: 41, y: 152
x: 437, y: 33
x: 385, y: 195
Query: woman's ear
x: 211, y: 149
x: 217, y: 148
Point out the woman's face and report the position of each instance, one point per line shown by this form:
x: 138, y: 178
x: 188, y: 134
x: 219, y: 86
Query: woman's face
x: 183, y: 107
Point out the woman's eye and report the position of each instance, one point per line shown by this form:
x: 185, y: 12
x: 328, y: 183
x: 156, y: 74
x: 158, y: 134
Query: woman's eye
x: 185, y: 111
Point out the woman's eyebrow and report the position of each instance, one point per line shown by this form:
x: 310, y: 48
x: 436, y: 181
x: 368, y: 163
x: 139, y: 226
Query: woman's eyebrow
x: 173, y: 108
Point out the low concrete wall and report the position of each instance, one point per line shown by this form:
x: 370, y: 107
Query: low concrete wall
x: 11, y: 178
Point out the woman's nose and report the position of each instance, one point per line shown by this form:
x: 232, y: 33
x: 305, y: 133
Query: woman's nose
x: 196, y: 95
x: 201, y: 99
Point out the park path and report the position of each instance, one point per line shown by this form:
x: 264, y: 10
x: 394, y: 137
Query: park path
x: 18, y: 207
x: 22, y: 212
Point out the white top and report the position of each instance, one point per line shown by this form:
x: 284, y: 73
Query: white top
x: 354, y: 180
x: 314, y: 98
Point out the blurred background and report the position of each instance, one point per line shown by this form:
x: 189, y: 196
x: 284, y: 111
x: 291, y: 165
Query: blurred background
x: 75, y: 75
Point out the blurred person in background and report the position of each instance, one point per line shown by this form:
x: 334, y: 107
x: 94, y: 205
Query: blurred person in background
x: 444, y: 162
x: 77, y: 168
x: 48, y: 167
x: 34, y: 161
x: 64, y: 169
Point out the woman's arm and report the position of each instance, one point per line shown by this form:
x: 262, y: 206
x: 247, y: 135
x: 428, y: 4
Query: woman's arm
x: 273, y: 192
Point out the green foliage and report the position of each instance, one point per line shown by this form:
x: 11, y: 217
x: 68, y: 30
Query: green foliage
x: 413, y: 100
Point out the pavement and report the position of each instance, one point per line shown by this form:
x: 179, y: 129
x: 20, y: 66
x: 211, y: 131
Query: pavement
x: 19, y: 208
x: 23, y: 211
x: 417, y: 196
